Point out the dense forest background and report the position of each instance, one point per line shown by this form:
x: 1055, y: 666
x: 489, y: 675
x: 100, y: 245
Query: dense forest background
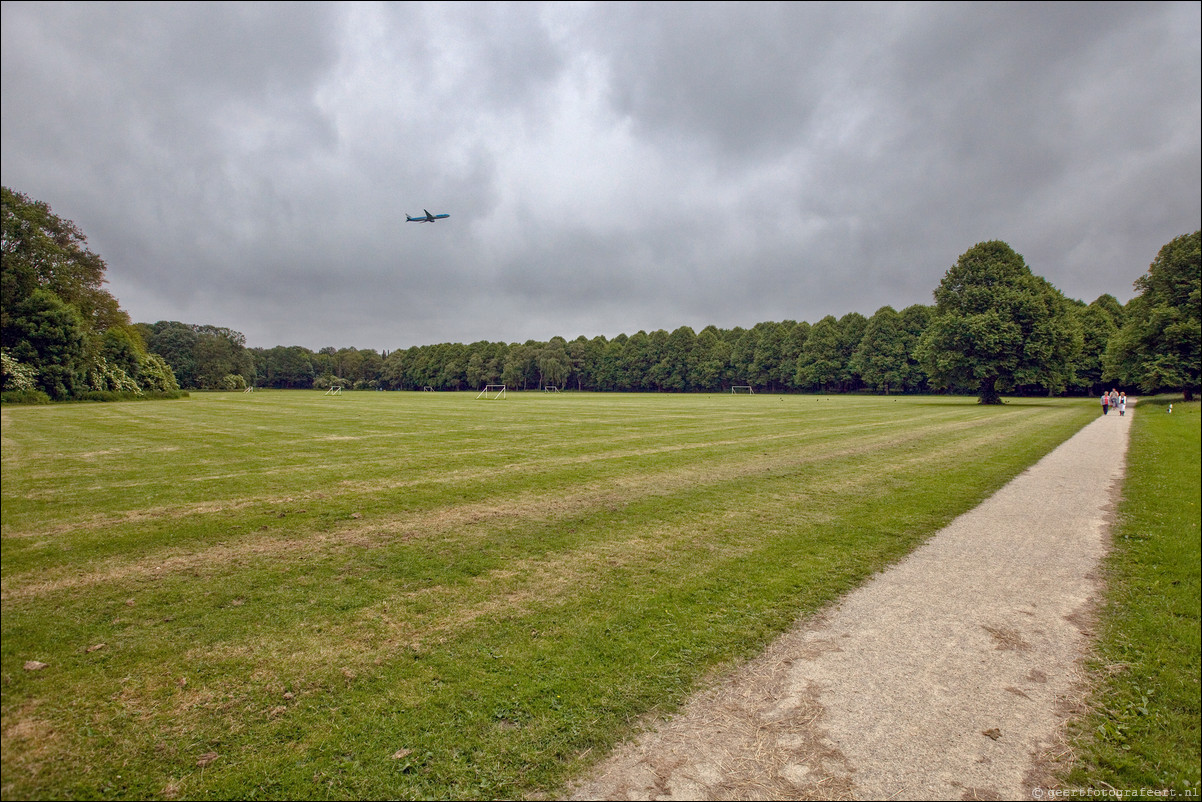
x: 994, y: 327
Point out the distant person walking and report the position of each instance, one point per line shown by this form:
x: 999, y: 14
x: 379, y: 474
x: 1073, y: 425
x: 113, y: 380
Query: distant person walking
x: 1114, y: 398
x: 1122, y: 404
x: 1105, y: 402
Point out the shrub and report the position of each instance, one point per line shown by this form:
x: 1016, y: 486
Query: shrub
x: 30, y: 396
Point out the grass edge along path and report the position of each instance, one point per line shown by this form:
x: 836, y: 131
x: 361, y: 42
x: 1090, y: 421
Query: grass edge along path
x: 1140, y: 735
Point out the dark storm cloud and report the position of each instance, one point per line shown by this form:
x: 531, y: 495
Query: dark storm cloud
x: 919, y: 130
x: 608, y: 167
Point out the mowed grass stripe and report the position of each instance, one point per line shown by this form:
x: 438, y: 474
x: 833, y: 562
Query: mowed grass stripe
x: 500, y: 637
x: 539, y: 488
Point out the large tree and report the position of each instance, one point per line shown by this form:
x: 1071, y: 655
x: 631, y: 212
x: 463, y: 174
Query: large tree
x: 56, y: 318
x: 203, y: 357
x: 1158, y: 347
x: 1099, y: 321
x: 49, y: 336
x: 998, y: 326
x: 822, y: 362
x: 43, y: 251
x: 880, y: 358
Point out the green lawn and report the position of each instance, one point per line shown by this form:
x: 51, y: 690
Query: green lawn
x: 416, y: 595
x: 1143, y: 731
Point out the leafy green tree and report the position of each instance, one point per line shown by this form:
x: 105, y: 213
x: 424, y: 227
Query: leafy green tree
x: 638, y: 355
x: 474, y: 372
x: 371, y: 368
x: 554, y: 365
x: 820, y: 365
x: 41, y: 250
x: 586, y: 357
x: 175, y: 342
x: 221, y: 352
x: 201, y: 355
x: 793, y: 336
x: 610, y: 370
x: 55, y: 315
x: 710, y: 371
x: 851, y: 330
x: 742, y: 353
x: 880, y: 359
x: 393, y: 372
x: 519, y: 369
x: 49, y: 335
x: 914, y: 322
x: 998, y: 326
x: 122, y: 347
x: 284, y: 366
x: 1111, y: 306
x: 1098, y: 325
x: 1159, y: 346
x: 347, y: 363
x: 325, y: 361
x: 765, y: 368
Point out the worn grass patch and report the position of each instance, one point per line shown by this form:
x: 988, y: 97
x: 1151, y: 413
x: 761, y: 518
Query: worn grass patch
x: 424, y: 595
x: 1143, y: 733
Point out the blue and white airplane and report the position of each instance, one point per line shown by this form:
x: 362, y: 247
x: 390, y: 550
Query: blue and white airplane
x: 429, y: 218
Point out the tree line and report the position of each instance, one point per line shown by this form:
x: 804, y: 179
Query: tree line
x: 994, y: 327
x: 852, y: 353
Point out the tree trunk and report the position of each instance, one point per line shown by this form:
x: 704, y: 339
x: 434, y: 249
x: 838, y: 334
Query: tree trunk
x: 988, y: 391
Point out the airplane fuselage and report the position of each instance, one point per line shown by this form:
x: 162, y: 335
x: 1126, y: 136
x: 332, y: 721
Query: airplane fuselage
x: 429, y: 218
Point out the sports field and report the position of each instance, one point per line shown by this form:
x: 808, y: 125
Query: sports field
x: 416, y: 595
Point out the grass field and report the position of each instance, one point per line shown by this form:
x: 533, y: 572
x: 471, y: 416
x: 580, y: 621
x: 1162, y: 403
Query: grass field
x: 290, y: 595
x: 1145, y: 727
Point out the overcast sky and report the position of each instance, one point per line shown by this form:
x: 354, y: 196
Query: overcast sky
x: 607, y: 168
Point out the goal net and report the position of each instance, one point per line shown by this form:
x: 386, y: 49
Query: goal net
x: 492, y: 391
x: 742, y: 389
x: 335, y: 390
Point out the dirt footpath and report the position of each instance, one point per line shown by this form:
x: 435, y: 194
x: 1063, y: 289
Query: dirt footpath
x: 943, y: 677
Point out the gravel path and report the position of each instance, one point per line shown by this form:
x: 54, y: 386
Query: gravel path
x: 944, y: 677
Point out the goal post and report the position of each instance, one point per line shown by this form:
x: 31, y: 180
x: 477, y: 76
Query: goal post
x: 492, y: 392
x: 742, y: 389
x: 334, y: 390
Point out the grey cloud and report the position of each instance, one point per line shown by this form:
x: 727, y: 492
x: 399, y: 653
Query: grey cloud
x: 608, y: 167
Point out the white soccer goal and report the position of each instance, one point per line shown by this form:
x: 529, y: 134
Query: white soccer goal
x: 550, y: 388
x: 335, y: 390
x: 492, y: 392
x: 249, y: 389
x: 742, y: 389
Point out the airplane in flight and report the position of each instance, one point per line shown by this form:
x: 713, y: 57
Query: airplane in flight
x: 429, y: 218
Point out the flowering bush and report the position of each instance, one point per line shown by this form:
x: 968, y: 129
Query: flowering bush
x: 156, y: 376
x: 233, y: 381
x: 16, y: 376
x: 104, y: 377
